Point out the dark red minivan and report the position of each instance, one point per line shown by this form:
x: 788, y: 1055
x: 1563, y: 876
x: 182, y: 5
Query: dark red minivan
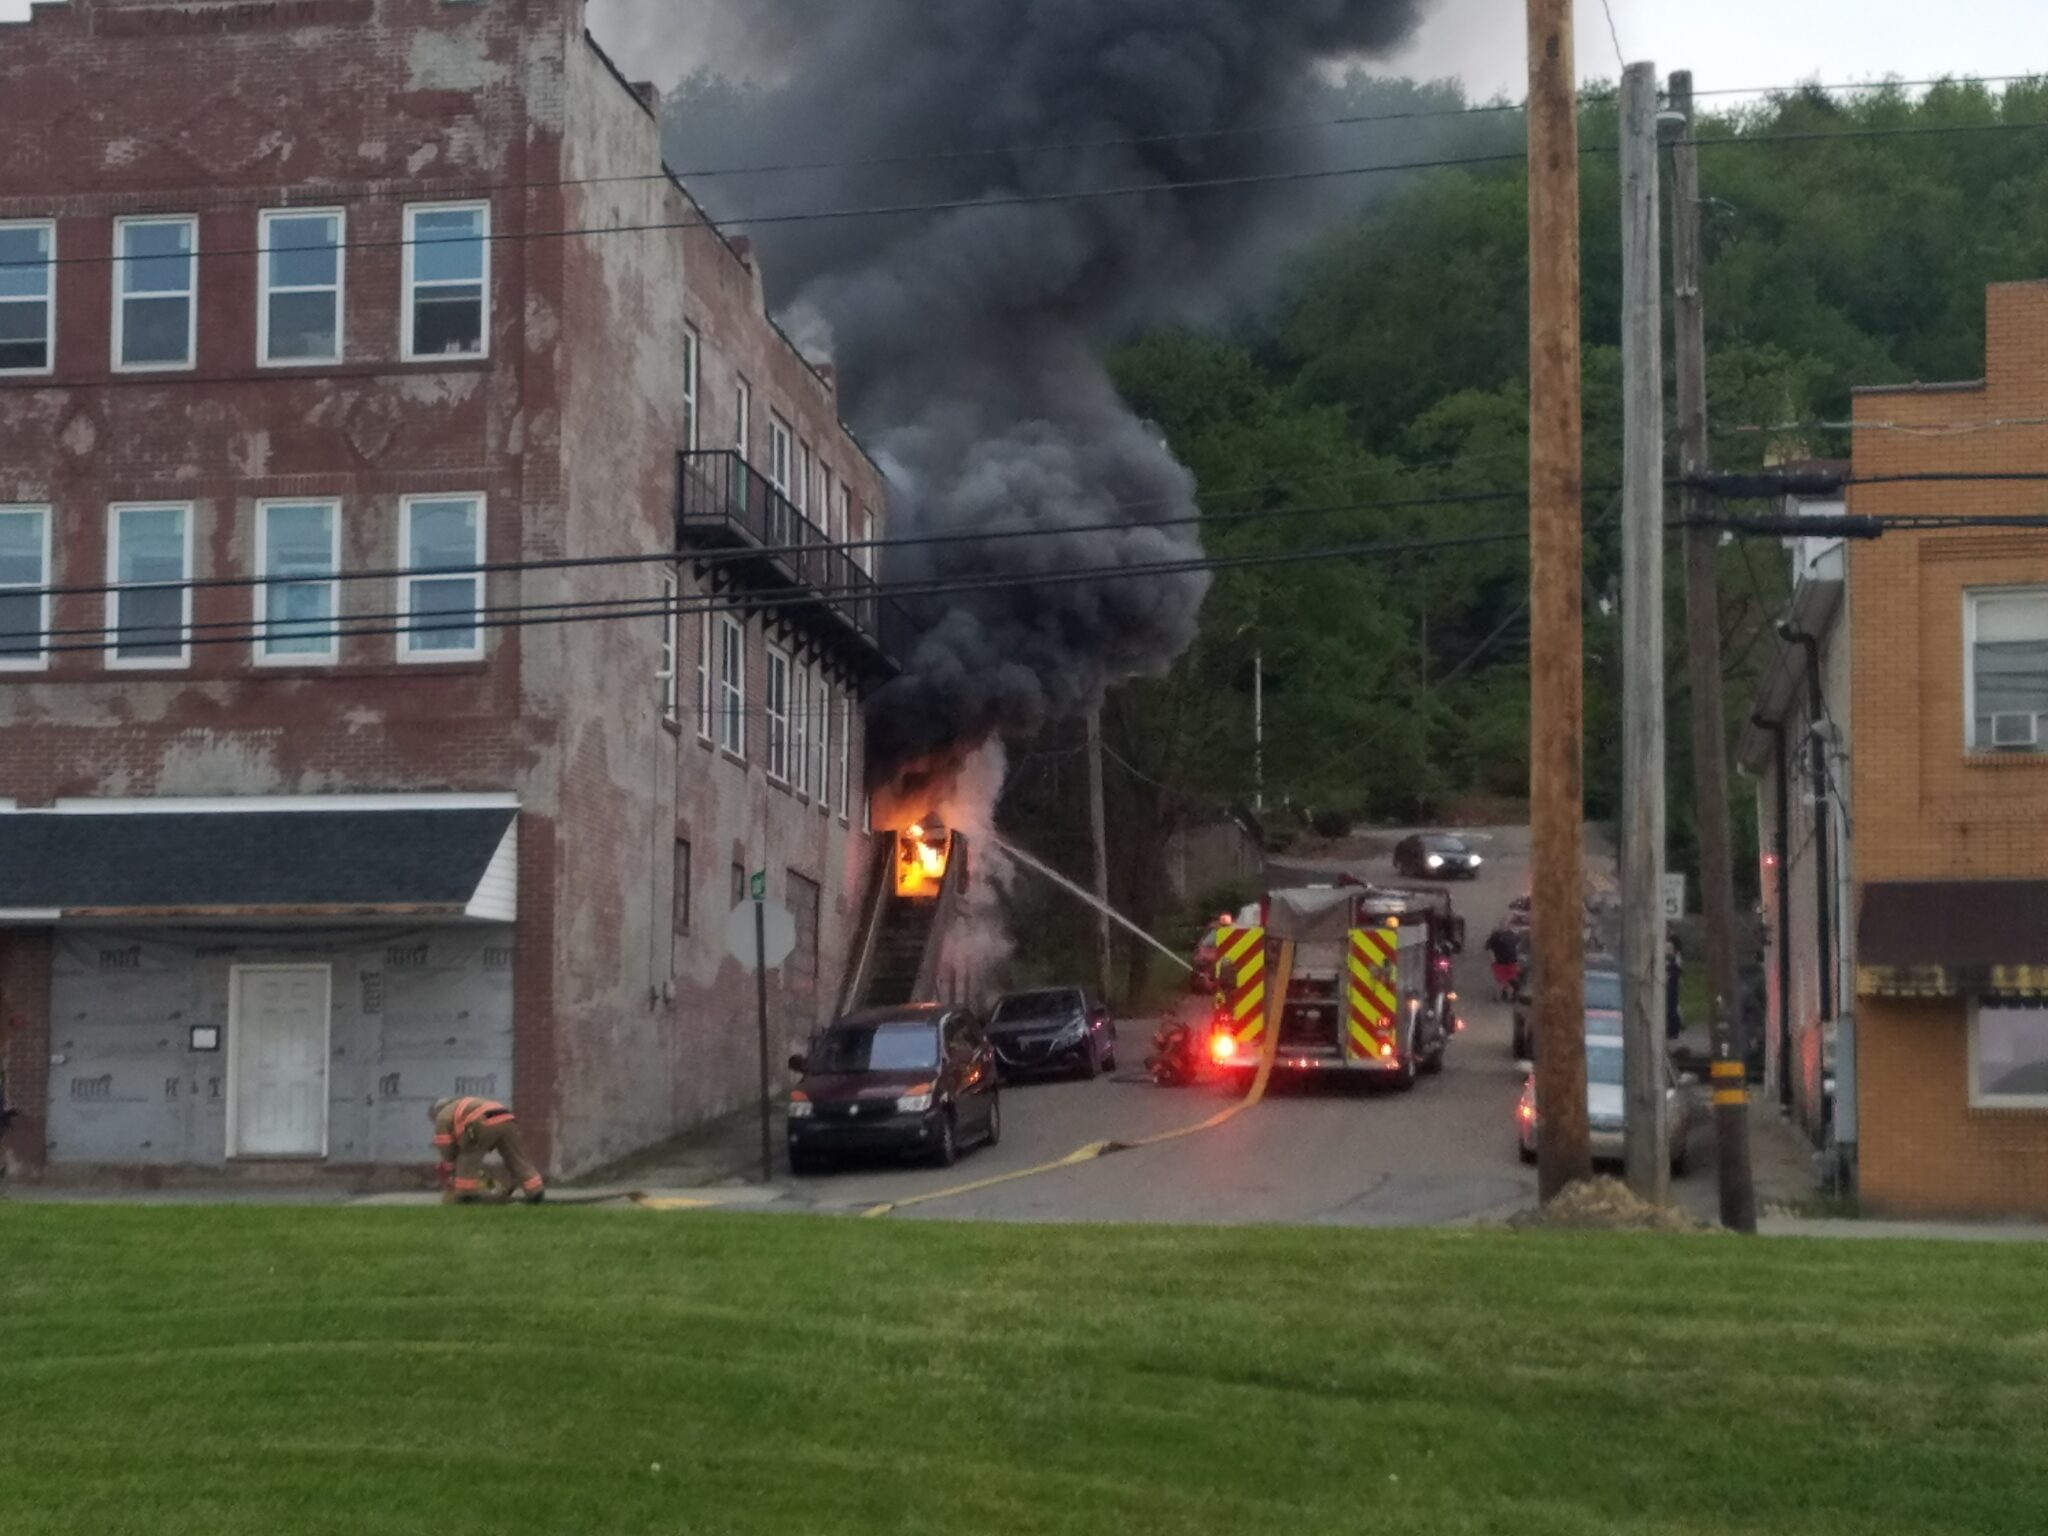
x: 920, y: 1079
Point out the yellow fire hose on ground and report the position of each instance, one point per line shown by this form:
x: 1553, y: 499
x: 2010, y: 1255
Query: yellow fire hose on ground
x: 1276, y: 1000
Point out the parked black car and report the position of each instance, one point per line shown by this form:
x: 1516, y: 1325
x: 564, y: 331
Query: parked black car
x: 919, y: 1079
x: 1054, y: 1029
x: 1436, y: 856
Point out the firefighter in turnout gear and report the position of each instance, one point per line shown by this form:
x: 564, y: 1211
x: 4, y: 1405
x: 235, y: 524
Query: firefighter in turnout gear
x: 468, y: 1130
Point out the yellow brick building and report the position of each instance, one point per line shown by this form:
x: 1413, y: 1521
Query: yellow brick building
x: 1913, y: 789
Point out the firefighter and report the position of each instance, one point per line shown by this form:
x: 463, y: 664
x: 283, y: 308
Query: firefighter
x: 468, y: 1130
x: 1504, y: 948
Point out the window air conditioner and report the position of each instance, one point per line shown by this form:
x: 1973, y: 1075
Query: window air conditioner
x: 2010, y: 731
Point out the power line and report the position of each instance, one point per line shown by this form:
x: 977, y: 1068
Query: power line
x: 1614, y: 32
x: 525, y: 615
x: 418, y: 190
x: 715, y: 559
x: 1034, y: 199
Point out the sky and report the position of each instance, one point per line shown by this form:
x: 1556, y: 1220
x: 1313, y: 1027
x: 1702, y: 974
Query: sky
x: 1730, y: 43
x: 1725, y: 43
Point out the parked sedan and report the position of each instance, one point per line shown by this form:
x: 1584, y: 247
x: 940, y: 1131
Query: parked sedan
x: 1603, y: 996
x: 1607, y: 1105
x: 920, y: 1079
x: 1436, y: 856
x: 1054, y: 1029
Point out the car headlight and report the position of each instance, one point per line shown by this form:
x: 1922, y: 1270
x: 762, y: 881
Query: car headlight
x: 1477, y: 861
x: 914, y: 1103
x: 1435, y: 861
x: 799, y: 1107
x: 1073, y: 1034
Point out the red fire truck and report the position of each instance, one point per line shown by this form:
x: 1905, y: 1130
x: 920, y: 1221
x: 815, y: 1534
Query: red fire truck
x: 1369, y: 988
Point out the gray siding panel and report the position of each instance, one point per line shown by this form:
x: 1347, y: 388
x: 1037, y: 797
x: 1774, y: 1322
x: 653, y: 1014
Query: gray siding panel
x: 417, y: 1013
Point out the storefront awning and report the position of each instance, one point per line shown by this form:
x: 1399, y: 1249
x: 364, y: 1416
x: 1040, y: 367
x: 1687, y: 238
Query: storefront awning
x: 1953, y: 938
x: 306, y: 862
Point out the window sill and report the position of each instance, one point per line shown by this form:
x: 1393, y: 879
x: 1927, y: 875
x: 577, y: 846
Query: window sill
x: 737, y: 759
x: 1977, y: 757
x: 672, y: 726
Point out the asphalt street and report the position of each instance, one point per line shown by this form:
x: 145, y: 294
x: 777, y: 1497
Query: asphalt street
x: 1315, y: 1153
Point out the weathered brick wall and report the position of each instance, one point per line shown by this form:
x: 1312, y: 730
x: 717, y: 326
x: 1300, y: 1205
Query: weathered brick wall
x: 25, y: 1042
x: 569, y: 429
x: 1926, y: 807
x: 633, y: 992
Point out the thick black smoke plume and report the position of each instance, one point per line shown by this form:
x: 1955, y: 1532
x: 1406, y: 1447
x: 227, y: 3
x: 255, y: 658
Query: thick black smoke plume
x: 968, y: 341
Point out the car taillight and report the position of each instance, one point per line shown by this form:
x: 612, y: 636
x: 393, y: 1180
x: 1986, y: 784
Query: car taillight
x: 1223, y: 1047
x: 1387, y: 1051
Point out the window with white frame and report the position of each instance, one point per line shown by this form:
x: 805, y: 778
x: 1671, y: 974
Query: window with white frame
x: 2008, y: 1057
x: 441, y: 541
x: 704, y: 643
x: 447, y: 280
x: 743, y: 418
x: 845, y: 757
x: 821, y: 712
x: 2006, y: 682
x: 149, y: 572
x: 667, y: 673
x: 842, y: 514
x: 24, y: 569
x: 802, y: 494
x: 299, y: 275
x: 156, y: 278
x: 691, y: 364
x: 800, y: 729
x: 780, y: 449
x: 732, y: 687
x: 775, y: 709
x: 866, y: 533
x: 28, y: 297
x: 298, y: 552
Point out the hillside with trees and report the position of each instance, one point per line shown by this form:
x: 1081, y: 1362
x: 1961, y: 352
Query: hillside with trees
x: 1849, y: 240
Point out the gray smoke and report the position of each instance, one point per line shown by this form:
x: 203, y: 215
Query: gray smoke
x: 968, y: 341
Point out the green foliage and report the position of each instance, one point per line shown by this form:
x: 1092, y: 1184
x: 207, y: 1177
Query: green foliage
x: 1396, y: 366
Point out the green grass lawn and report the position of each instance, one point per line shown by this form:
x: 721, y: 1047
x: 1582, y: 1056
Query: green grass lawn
x: 290, y: 1371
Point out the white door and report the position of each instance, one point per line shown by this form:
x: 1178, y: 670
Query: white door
x: 277, y: 1061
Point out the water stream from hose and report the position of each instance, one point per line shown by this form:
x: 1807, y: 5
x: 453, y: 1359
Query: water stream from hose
x: 1013, y: 851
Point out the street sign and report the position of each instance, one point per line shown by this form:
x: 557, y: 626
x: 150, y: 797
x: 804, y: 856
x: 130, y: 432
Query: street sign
x: 778, y: 934
x: 1674, y: 897
x: 757, y: 886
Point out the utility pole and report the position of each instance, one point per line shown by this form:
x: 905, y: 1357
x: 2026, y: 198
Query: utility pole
x: 1556, y: 679
x: 1096, y: 822
x: 1642, y: 661
x: 1703, y: 647
x: 1259, y: 730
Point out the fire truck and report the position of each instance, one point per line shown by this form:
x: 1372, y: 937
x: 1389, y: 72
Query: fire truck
x: 1369, y: 985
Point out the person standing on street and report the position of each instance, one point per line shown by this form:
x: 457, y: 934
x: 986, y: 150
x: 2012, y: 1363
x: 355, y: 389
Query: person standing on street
x: 1674, y: 970
x: 468, y: 1130
x: 1504, y: 948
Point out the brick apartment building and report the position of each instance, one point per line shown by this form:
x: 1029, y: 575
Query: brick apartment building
x: 285, y: 300
x: 1926, y: 889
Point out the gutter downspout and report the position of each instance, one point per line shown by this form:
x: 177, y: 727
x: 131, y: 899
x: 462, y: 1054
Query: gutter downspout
x: 1823, y: 814
x: 1781, y: 839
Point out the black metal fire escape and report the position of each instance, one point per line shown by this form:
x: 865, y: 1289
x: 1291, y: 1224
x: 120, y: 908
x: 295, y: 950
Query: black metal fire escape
x: 748, y: 540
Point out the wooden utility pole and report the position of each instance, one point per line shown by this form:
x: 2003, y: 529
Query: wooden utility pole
x: 1556, y: 679
x: 1703, y: 647
x: 1642, y: 661
x: 1099, y: 830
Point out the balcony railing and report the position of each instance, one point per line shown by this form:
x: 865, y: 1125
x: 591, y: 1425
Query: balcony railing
x: 723, y: 503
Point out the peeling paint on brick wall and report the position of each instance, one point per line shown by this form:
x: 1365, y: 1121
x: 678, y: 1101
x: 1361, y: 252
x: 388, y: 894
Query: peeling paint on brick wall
x: 624, y: 1031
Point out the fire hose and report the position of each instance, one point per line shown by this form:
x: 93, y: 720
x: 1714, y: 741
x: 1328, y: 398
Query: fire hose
x: 1276, y: 1000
